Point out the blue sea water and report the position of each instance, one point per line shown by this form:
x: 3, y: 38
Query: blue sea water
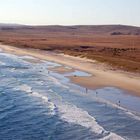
x: 37, y: 105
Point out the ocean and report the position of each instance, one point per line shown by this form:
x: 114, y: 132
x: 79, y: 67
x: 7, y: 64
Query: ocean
x: 39, y: 104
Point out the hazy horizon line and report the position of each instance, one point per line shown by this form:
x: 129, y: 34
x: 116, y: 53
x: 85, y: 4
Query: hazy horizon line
x: 68, y: 24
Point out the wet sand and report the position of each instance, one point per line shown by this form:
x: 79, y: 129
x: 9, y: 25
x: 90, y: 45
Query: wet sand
x: 32, y: 60
x: 62, y: 69
x: 102, y: 75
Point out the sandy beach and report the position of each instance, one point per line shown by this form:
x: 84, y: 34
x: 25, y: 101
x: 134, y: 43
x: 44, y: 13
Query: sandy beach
x: 102, y: 75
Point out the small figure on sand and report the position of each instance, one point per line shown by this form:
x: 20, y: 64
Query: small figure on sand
x: 86, y: 90
x: 119, y: 103
x: 96, y: 93
x: 48, y: 72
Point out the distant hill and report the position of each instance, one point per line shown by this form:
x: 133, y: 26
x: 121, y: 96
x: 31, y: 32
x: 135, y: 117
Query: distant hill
x: 78, y: 29
x: 94, y: 29
x: 7, y: 26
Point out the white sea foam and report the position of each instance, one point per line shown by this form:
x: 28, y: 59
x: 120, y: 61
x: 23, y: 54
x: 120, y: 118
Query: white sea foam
x: 126, y: 111
x: 12, y: 56
x: 24, y: 88
x: 45, y: 99
x: 112, y: 136
x: 57, y: 82
x: 72, y: 114
x: 51, y: 105
x: 2, y: 63
x: 51, y: 64
x: 28, y: 89
x: 27, y: 57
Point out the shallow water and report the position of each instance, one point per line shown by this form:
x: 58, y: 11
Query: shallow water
x: 77, y: 73
x: 37, y: 105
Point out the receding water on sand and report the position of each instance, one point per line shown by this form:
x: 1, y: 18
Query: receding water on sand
x: 39, y: 104
x: 77, y: 73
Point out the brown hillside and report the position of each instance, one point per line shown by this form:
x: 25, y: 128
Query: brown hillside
x: 117, y: 45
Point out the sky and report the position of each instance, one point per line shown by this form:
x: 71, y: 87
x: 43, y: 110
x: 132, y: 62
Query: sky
x: 70, y: 12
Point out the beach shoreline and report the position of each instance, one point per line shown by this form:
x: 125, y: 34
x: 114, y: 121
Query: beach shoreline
x: 101, y: 75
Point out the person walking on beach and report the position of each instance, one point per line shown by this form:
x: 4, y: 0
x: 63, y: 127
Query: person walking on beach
x: 96, y: 93
x: 119, y: 103
x: 86, y: 90
x: 48, y: 72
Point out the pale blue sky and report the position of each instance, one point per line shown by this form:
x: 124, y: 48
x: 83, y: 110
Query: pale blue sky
x: 70, y: 12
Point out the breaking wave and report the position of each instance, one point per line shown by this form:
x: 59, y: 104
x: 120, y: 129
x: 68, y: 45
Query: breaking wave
x: 72, y: 114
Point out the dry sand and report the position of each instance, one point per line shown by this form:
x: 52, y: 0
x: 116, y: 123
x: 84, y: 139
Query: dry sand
x: 102, y: 76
